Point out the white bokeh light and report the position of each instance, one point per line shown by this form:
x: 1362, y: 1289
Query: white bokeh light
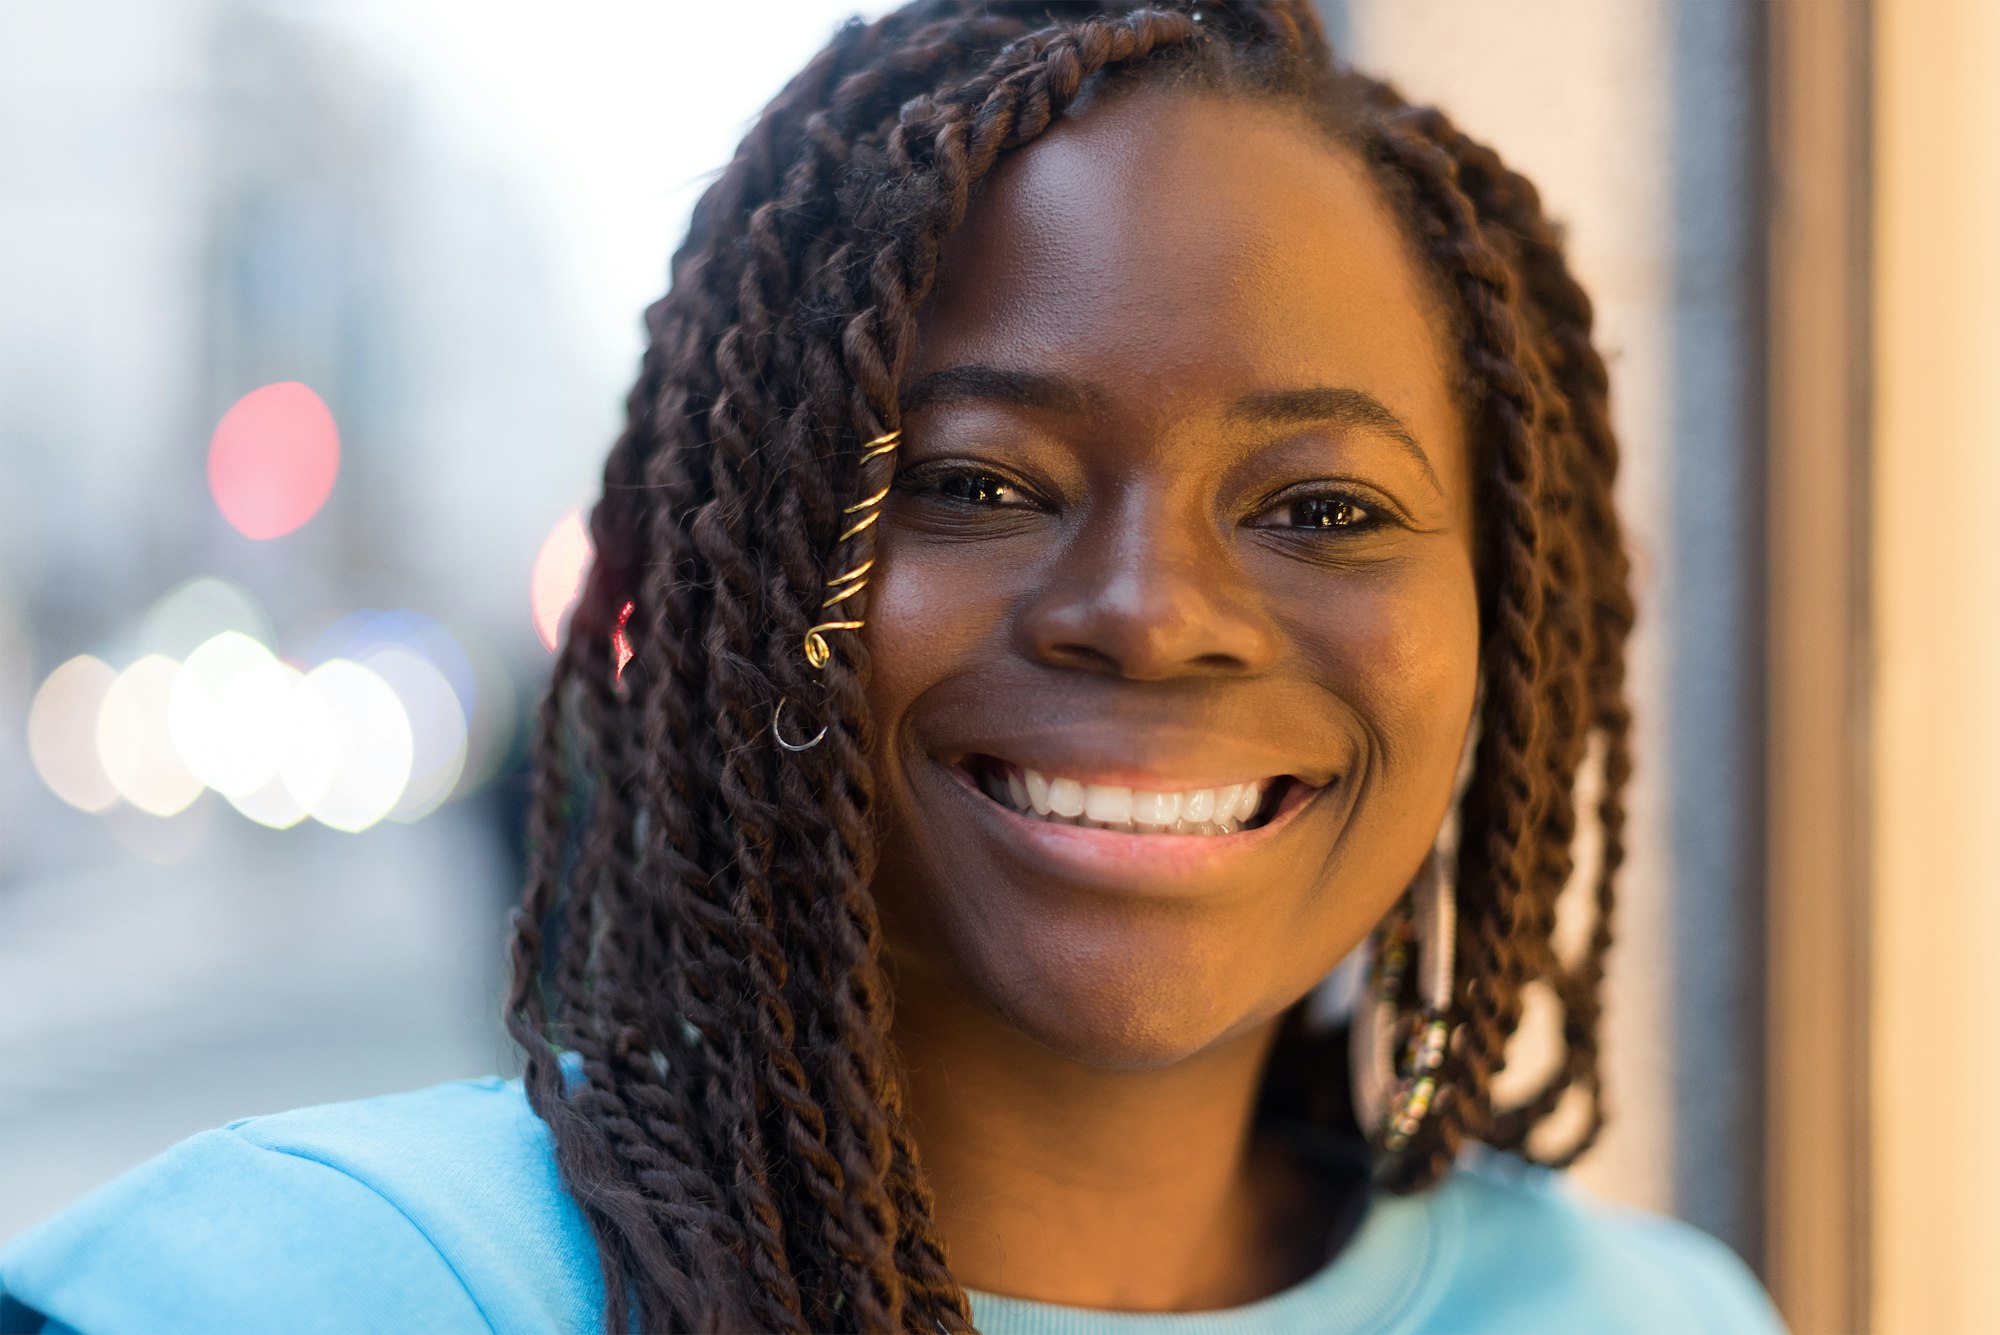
x: 352, y: 746
x: 437, y: 728
x: 271, y: 805
x: 228, y: 713
x: 62, y: 733
x: 134, y: 744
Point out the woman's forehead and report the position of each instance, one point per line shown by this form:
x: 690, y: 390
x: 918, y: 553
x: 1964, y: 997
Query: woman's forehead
x: 1188, y: 245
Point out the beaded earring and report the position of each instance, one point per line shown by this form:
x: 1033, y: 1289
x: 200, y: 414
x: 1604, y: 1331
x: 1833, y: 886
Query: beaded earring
x: 1394, y: 1092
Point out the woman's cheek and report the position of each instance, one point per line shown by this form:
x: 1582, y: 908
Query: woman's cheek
x: 1400, y: 646
x: 931, y: 609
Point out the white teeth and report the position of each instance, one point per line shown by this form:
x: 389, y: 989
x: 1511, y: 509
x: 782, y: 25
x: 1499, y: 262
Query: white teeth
x: 1225, y: 801
x: 1064, y: 801
x: 1111, y: 805
x: 1065, y: 797
x: 1038, y: 790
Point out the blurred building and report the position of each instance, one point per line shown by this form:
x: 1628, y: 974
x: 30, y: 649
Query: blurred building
x: 202, y: 198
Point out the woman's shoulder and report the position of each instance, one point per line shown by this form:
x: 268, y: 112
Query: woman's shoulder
x: 1527, y: 1251
x: 436, y: 1209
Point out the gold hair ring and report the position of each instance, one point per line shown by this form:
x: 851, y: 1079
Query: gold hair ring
x: 879, y: 446
x: 859, y: 506
x: 818, y: 651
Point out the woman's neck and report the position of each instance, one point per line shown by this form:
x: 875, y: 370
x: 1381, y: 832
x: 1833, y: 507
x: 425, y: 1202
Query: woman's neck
x: 1132, y: 1190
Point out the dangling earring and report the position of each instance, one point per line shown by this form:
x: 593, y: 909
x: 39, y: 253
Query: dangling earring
x: 1392, y: 1094
x: 779, y: 737
x: 818, y: 651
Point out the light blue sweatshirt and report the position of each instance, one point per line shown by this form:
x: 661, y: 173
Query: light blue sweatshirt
x: 439, y: 1210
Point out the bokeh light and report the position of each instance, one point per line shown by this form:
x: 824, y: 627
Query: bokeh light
x: 135, y: 744
x: 228, y: 713
x: 62, y: 733
x: 273, y: 459
x: 621, y: 644
x: 197, y: 611
x: 272, y: 803
x: 558, y: 576
x: 359, y: 634
x: 352, y: 746
x: 437, y: 728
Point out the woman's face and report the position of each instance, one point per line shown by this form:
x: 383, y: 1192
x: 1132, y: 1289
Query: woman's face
x: 1182, y: 505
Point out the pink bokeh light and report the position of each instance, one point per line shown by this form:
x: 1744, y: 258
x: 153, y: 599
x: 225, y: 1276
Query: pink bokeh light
x: 558, y: 576
x: 273, y: 459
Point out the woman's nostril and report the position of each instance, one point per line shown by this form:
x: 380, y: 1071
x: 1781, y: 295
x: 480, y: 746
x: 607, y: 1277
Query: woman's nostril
x: 1082, y: 656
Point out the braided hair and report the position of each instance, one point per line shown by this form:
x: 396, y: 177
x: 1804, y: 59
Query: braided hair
x: 697, y: 932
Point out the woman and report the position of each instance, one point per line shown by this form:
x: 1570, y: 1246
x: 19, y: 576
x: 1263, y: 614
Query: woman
x: 1116, y: 512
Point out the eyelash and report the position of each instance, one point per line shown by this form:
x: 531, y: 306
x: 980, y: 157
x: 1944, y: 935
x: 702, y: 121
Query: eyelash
x: 934, y: 482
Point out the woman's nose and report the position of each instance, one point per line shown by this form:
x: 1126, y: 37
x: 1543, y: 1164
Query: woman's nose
x: 1148, y: 597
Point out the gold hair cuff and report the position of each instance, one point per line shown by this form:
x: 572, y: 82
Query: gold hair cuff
x: 818, y: 651
x: 879, y: 446
x: 855, y: 573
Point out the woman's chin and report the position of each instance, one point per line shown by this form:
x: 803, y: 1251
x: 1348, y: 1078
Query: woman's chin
x: 1128, y: 1012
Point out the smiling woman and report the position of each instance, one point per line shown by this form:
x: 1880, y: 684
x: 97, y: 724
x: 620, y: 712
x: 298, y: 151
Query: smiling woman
x: 1116, y: 516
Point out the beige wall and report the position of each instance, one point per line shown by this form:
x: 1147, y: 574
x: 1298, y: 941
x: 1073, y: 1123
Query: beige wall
x: 1936, y: 518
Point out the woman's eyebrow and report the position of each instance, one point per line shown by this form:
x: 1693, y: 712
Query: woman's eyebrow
x: 1344, y: 407
x: 1041, y: 390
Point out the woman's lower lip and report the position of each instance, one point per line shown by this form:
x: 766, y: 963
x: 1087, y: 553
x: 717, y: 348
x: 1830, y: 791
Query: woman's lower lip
x: 1171, y: 866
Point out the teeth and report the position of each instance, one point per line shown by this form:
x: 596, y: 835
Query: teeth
x: 1102, y: 802
x: 1225, y: 801
x: 1065, y: 797
x: 1038, y: 791
x: 1063, y: 801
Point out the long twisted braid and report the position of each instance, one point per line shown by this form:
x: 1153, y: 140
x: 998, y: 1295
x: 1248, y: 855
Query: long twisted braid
x: 697, y: 930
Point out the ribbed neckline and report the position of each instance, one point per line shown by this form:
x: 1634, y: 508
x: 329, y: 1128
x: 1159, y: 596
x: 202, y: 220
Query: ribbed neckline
x: 1388, y: 1268
x: 1388, y: 1273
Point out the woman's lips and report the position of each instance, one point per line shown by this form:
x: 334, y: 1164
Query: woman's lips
x: 1163, y: 865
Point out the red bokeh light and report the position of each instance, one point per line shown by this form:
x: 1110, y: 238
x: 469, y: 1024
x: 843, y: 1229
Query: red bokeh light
x: 273, y: 459
x: 621, y: 647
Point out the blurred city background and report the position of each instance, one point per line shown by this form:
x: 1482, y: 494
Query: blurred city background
x: 315, y: 321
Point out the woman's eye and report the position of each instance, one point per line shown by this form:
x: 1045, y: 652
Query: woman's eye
x: 1324, y: 512
x: 978, y: 489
